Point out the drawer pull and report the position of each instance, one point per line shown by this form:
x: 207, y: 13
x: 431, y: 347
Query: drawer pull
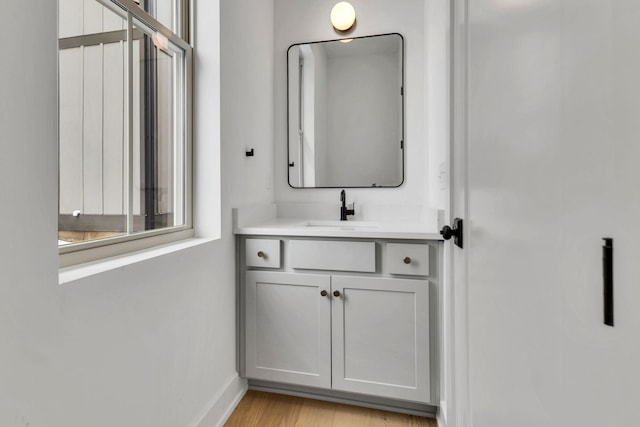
x: 407, y: 260
x: 261, y: 254
x: 324, y: 293
x: 336, y: 294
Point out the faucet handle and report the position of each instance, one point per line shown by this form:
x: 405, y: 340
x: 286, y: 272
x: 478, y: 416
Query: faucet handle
x: 352, y: 211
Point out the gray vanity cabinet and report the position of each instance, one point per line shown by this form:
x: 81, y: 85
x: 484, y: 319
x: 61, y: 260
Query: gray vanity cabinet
x: 364, y: 333
x: 380, y: 337
x: 288, y: 328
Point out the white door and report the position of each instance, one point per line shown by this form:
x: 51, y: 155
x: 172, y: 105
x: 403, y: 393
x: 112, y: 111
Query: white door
x: 381, y: 337
x: 288, y: 328
x: 553, y: 134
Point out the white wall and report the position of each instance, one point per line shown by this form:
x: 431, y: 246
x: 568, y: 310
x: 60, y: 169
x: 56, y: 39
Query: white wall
x: 303, y: 21
x: 150, y: 344
x: 247, y: 99
x: 437, y: 88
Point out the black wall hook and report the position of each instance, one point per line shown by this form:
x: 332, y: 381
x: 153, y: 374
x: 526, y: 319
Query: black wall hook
x: 249, y: 153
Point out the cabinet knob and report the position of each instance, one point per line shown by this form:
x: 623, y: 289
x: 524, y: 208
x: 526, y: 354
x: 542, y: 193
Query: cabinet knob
x: 324, y: 293
x: 336, y: 293
x: 261, y: 254
x: 407, y: 260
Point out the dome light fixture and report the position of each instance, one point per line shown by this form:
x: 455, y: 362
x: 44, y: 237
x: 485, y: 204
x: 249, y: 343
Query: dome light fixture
x: 343, y: 16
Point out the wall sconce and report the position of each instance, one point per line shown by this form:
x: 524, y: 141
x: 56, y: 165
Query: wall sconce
x: 343, y: 16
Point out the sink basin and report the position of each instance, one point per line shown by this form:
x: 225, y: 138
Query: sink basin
x: 345, y: 225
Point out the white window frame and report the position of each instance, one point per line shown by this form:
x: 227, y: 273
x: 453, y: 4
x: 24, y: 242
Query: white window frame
x: 81, y: 252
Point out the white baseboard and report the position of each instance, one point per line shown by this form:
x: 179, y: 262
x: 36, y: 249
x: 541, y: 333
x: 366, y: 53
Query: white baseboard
x: 441, y: 415
x: 222, y: 405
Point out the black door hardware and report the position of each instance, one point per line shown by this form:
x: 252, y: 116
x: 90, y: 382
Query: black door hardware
x: 455, y: 232
x: 607, y: 275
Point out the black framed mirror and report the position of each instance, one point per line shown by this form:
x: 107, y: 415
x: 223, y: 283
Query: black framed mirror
x: 346, y: 113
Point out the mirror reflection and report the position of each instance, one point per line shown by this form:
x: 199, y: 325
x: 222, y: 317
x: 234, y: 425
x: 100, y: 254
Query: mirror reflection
x: 345, y: 111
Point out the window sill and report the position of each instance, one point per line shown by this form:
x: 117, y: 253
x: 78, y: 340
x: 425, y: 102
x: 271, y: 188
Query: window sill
x: 78, y: 272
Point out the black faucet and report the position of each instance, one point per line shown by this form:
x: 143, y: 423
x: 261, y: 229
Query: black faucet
x: 343, y: 209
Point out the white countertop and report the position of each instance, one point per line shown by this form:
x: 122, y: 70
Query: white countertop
x: 354, y: 229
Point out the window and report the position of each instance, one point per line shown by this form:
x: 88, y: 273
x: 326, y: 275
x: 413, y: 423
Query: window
x: 124, y: 111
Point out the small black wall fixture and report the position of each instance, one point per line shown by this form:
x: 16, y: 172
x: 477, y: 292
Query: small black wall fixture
x: 607, y: 276
x: 249, y: 153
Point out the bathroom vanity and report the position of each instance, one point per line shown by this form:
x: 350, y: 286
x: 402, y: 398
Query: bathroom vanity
x: 331, y: 307
x: 344, y: 310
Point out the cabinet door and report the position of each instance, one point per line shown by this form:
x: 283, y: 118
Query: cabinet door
x: 381, y: 337
x: 288, y: 328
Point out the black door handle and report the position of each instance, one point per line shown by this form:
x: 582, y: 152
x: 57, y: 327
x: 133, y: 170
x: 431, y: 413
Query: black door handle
x: 455, y: 232
x: 607, y: 275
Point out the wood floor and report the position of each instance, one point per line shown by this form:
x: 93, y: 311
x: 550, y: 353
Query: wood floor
x: 276, y: 410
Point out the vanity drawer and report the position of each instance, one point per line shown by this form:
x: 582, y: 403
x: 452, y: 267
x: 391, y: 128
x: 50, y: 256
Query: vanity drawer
x: 262, y: 253
x: 332, y: 255
x: 407, y: 258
